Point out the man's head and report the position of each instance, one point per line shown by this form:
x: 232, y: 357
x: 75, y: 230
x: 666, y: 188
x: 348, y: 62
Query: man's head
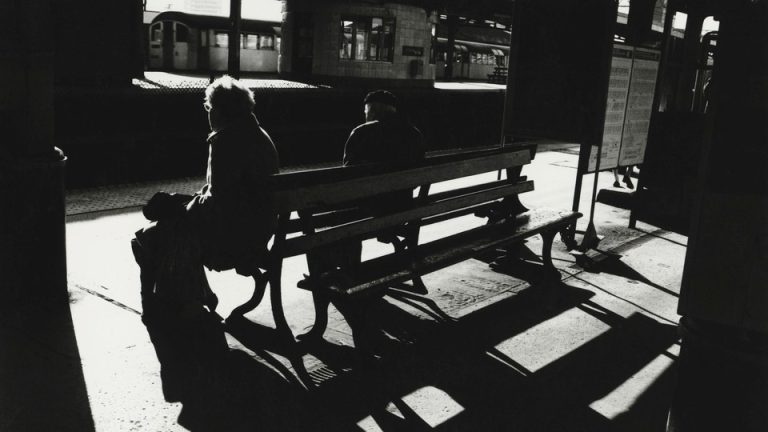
x: 378, y: 104
x: 227, y: 99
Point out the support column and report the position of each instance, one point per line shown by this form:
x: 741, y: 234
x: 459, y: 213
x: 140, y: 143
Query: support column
x: 235, y: 18
x: 32, y: 244
x: 723, y: 365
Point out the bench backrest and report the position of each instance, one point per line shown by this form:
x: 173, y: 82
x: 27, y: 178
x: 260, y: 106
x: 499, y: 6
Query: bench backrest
x: 311, y: 194
x: 307, y: 192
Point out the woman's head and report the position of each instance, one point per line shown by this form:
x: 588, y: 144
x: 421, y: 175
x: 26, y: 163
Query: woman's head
x: 227, y: 99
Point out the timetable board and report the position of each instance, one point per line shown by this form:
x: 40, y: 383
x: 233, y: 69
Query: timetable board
x: 628, y: 109
x: 639, y: 106
x: 618, y: 88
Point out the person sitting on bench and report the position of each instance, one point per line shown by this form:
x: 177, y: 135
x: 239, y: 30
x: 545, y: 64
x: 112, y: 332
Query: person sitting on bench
x: 385, y: 138
x: 228, y: 222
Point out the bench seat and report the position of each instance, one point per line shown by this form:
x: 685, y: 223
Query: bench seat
x: 392, y: 269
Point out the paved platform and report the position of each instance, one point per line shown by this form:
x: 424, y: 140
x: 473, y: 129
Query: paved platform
x: 484, y: 350
x: 166, y: 81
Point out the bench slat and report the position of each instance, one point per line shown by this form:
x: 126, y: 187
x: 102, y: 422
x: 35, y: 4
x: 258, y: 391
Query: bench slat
x: 333, y: 217
x: 324, y: 195
x: 388, y: 270
x: 300, y: 245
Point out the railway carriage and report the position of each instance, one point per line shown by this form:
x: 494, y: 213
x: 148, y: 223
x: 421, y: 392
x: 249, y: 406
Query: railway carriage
x: 184, y: 42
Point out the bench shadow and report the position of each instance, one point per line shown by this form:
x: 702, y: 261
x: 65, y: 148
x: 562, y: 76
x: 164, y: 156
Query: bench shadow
x: 465, y: 361
x: 501, y: 394
x: 493, y: 389
x: 335, y: 359
x: 394, y: 330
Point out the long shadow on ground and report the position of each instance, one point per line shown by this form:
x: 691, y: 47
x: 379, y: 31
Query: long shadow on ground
x: 438, y: 374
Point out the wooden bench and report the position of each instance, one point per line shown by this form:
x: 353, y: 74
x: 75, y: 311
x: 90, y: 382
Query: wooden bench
x: 314, y: 213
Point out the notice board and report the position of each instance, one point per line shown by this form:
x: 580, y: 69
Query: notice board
x: 642, y: 87
x: 616, y: 106
x: 628, y: 110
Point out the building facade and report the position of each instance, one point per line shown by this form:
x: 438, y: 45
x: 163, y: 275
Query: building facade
x: 341, y: 40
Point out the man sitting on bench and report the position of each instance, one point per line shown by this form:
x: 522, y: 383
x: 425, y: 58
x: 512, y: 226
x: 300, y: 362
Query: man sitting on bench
x: 385, y: 138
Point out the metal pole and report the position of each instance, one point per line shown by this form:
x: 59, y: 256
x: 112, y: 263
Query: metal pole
x: 233, y: 64
x: 591, y: 240
x: 453, y: 21
x: 509, y: 95
x: 509, y: 92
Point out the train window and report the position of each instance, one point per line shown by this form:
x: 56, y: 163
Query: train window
x: 182, y: 33
x: 347, y: 28
x: 250, y: 41
x: 361, y: 41
x: 381, y: 40
x: 222, y: 39
x: 156, y: 32
x: 266, y: 42
x: 364, y: 38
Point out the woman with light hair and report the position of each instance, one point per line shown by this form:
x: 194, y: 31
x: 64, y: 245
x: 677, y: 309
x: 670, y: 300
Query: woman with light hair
x: 226, y: 225
x: 228, y: 221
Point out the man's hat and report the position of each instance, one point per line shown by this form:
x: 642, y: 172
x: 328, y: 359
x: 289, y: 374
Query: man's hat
x: 381, y: 96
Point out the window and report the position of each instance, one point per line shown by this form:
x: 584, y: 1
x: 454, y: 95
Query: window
x: 483, y: 58
x: 347, y: 30
x: 182, y: 33
x: 222, y: 39
x: 367, y: 39
x: 156, y: 34
x: 250, y: 41
x: 266, y: 42
x: 257, y: 41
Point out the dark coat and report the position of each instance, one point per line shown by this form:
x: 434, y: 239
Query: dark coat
x: 390, y: 141
x: 234, y: 212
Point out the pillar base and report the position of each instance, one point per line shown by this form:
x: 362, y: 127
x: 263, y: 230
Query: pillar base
x: 32, y: 230
x: 722, y: 379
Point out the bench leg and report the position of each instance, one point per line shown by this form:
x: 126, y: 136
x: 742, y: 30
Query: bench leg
x: 276, y: 298
x: 321, y: 302
x: 260, y: 285
x: 546, y: 253
x: 418, y: 286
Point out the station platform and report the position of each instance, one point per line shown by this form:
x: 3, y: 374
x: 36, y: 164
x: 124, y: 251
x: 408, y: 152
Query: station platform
x: 165, y: 81
x: 483, y: 350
